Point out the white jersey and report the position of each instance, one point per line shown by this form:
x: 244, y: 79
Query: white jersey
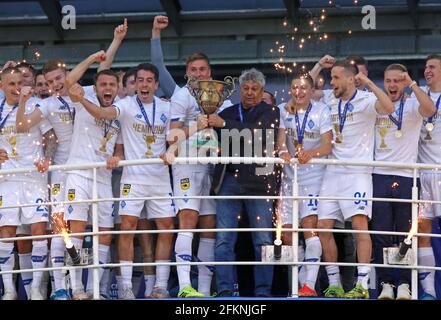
x: 403, y: 149
x: 136, y: 135
x: 93, y: 140
x: 184, y: 108
x: 60, y: 116
x: 318, y: 123
x: 358, y: 131
x: 26, y: 147
x: 430, y: 142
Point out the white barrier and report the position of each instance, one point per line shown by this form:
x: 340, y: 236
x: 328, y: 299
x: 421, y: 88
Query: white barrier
x: 236, y: 160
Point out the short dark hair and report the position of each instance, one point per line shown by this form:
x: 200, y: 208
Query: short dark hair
x: 30, y: 67
x: 10, y: 70
x: 39, y: 72
x: 54, y: 64
x: 397, y: 67
x: 148, y: 67
x: 348, y: 66
x: 303, y: 76
x: 272, y: 96
x: 197, y: 56
x: 434, y: 56
x: 106, y: 72
x: 358, y: 60
x: 127, y: 75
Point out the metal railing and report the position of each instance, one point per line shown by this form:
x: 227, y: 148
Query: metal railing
x: 416, y: 167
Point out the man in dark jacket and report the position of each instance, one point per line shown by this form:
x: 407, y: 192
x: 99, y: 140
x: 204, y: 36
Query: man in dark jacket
x: 247, y: 129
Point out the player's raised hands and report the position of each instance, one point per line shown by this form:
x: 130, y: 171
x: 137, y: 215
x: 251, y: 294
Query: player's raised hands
x: 76, y: 93
x: 327, y: 61
x: 160, y: 22
x: 362, y: 79
x: 121, y: 31
x: 99, y: 56
x: 25, y: 93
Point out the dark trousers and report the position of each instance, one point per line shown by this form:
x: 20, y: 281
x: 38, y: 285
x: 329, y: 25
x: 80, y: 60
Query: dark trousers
x: 390, y: 216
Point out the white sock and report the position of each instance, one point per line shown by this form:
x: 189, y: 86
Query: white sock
x: 119, y: 282
x: 302, y: 269
x: 426, y: 276
x: 39, y: 260
x: 333, y: 276
x: 25, y: 262
x: 162, y: 275
x: 57, y: 259
x: 45, y: 280
x: 313, y: 253
x: 183, y: 253
x: 149, y: 281
x: 103, y: 253
x: 76, y: 275
x: 363, y: 276
x: 205, y: 272
x: 104, y: 283
x: 7, y: 261
x: 126, y: 274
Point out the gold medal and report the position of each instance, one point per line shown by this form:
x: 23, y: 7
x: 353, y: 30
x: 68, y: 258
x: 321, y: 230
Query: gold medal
x: 149, y: 140
x: 338, y: 134
x: 398, y: 134
x: 383, y: 132
x: 12, y: 140
x: 429, y: 126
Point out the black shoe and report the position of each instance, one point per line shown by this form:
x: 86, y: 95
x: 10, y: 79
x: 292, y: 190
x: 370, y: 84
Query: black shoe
x: 225, y: 293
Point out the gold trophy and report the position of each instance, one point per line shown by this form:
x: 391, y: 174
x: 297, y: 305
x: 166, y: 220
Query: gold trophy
x: 210, y: 94
x: 12, y: 140
x: 339, y: 137
x: 149, y: 140
x: 383, y: 132
x: 104, y: 140
x: 429, y: 128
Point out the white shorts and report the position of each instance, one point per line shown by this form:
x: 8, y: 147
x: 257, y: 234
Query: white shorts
x: 80, y: 188
x: 306, y: 207
x: 358, y: 185
x: 19, y: 192
x: 58, y: 189
x: 188, y: 184
x: 155, y: 208
x: 430, y: 190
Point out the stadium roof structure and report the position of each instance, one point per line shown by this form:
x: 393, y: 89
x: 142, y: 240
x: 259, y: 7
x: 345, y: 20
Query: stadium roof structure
x: 230, y: 32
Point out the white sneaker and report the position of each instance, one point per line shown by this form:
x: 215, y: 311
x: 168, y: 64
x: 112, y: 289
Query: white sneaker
x: 387, y: 293
x: 125, y: 293
x: 403, y: 292
x: 81, y: 295
x: 36, y: 294
x: 10, y: 295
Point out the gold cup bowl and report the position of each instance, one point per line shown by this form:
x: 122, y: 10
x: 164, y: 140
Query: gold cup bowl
x: 211, y: 94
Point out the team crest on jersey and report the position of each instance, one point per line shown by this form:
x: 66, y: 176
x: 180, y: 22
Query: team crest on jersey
x: 163, y: 118
x: 289, y: 119
x: 55, y: 189
x: 71, y: 194
x: 138, y: 116
x: 117, y: 123
x: 311, y: 124
x: 350, y: 107
x: 126, y: 189
x: 185, y: 184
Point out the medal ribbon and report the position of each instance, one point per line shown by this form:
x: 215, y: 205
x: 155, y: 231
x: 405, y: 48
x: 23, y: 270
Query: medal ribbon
x: 398, y: 122
x: 430, y: 120
x: 301, y: 130
x: 2, y: 124
x: 66, y: 105
x: 144, y: 114
x: 342, y: 118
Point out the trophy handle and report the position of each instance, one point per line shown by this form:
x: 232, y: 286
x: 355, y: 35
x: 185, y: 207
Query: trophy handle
x: 230, y: 87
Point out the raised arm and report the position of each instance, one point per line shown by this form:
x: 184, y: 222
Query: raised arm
x: 23, y: 121
x: 76, y: 94
x: 75, y: 75
x: 325, y: 62
x: 166, y: 81
x: 118, y: 36
x: 383, y: 105
x: 427, y: 107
